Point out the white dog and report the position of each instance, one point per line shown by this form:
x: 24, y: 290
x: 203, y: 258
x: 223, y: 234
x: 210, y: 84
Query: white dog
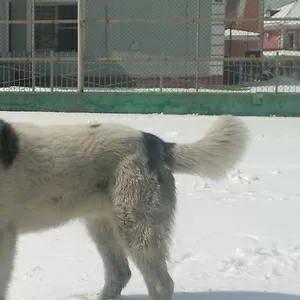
x: 118, y: 180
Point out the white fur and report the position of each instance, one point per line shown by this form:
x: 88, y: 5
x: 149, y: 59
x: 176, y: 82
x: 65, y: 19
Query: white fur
x: 219, y: 151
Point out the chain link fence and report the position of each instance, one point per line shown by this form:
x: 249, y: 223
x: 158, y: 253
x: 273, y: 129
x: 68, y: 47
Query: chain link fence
x: 139, y: 45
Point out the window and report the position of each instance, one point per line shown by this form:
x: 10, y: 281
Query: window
x: 290, y: 41
x: 218, y: 1
x: 56, y: 37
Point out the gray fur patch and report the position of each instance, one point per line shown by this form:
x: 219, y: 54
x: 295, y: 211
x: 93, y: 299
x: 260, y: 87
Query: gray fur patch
x: 94, y: 125
x: 9, y: 144
x: 56, y: 200
x: 159, y: 152
x: 102, y: 185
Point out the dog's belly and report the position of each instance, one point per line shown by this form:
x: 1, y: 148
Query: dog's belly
x: 40, y: 214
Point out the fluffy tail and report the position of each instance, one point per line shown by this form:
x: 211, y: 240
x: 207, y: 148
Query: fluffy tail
x: 220, y: 149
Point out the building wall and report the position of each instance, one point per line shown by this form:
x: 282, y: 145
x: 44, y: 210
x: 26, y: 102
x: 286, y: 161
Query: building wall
x: 271, y: 39
x: 152, y: 40
x: 18, y: 31
x: 296, y: 32
x: 275, y: 39
x: 251, y: 11
x: 4, y: 73
x: 139, y: 40
x: 238, y: 48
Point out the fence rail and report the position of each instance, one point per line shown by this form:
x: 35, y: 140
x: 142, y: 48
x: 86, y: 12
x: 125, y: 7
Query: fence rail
x: 186, y: 45
x: 150, y: 20
x: 155, y: 59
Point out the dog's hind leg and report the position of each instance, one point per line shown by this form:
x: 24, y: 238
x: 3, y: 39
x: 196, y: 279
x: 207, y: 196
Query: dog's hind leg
x: 145, y: 221
x: 7, y: 254
x: 117, y: 272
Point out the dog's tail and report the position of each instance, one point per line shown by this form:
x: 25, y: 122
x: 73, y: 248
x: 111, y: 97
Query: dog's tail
x: 211, y: 157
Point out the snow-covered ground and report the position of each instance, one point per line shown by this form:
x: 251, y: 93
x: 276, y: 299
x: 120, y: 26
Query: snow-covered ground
x: 281, y: 84
x: 238, y: 239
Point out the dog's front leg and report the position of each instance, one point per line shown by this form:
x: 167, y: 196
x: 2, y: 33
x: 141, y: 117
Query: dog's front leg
x: 7, y: 254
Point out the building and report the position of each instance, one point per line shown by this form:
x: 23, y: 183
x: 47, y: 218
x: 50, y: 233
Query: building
x: 160, y: 49
x: 282, y: 38
x: 282, y: 34
x: 240, y: 34
x: 237, y: 42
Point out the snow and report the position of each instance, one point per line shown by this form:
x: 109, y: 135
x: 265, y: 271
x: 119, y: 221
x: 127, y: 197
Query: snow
x: 238, y: 239
x: 243, y: 35
x: 279, y: 84
x: 285, y: 53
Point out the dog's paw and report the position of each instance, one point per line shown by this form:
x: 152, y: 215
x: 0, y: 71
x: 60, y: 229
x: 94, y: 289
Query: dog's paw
x: 99, y: 296
x: 93, y: 296
x: 96, y: 296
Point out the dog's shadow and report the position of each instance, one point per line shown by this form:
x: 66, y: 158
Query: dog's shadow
x: 221, y: 295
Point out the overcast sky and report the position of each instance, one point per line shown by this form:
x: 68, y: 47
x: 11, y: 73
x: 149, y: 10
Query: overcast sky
x: 276, y: 3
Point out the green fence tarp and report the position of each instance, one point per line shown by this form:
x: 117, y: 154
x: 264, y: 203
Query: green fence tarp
x: 241, y: 104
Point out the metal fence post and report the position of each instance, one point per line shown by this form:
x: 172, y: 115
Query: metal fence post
x: 80, y: 46
x: 276, y: 72
x: 52, y: 71
x: 197, y: 46
x: 161, y: 72
x: 33, y: 46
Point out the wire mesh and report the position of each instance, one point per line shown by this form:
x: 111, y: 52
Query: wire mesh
x: 139, y: 45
